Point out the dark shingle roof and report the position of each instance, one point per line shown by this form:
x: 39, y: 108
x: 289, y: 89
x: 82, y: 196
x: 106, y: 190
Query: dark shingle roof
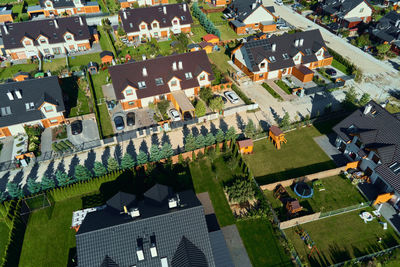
x: 379, y: 131
x: 108, y: 262
x: 59, y: 3
x: 148, y: 14
x: 241, y: 9
x: 340, y: 8
x: 258, y: 50
x: 158, y: 193
x: 160, y: 67
x: 121, y: 199
x: 386, y: 29
x: 106, y: 53
x: 32, y: 90
x: 180, y: 231
x: 220, y: 250
x: 47, y: 28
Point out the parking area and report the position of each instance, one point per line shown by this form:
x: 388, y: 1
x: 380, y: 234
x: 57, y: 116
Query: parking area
x: 143, y: 118
x: 227, y: 103
x: 89, y: 133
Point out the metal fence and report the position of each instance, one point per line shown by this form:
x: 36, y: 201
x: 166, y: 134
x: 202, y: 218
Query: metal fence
x: 344, y: 210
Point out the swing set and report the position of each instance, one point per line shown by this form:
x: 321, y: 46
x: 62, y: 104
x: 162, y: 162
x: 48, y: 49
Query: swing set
x: 307, y: 239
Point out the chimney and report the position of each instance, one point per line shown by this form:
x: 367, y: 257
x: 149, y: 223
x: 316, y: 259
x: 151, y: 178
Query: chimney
x: 174, y: 66
x: 165, y: 10
x: 144, y: 72
x: 184, y: 7
x: 134, y: 212
x: 124, y: 13
x: 153, y: 246
x: 139, y: 250
x: 367, y: 109
x: 253, y: 6
x: 273, y: 47
x: 80, y: 21
x: 5, y: 29
x: 180, y: 65
x: 296, y: 43
x: 10, y: 95
x: 56, y: 24
x: 301, y: 42
x: 18, y: 94
x: 144, y: 57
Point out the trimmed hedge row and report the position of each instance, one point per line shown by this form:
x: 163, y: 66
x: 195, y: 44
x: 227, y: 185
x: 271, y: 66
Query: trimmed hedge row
x: 242, y: 95
x: 338, y: 57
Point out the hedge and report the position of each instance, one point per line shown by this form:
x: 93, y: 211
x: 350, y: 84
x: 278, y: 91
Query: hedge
x: 244, y: 97
x: 350, y: 66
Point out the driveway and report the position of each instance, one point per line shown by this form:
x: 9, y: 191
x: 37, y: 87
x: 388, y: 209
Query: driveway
x: 89, y: 133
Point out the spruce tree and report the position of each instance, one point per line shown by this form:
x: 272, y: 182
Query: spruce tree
x: 82, y: 173
x: 63, y: 179
x: 14, y: 190
x: 231, y: 134
x: 220, y: 136
x: 190, y: 143
x: 112, y: 164
x: 127, y: 161
x: 142, y: 158
x: 167, y: 151
x: 99, y: 169
x: 200, y: 141
x: 210, y: 139
x: 250, y: 129
x: 33, y: 186
x: 155, y: 154
x: 47, y: 183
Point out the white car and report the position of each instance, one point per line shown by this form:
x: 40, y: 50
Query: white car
x: 174, y: 115
x: 232, y: 97
x: 279, y: 2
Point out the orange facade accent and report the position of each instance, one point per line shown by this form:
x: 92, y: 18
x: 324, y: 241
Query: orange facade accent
x: 131, y: 104
x: 91, y: 9
x: 4, y: 132
x: 87, y: 45
x: 125, y: 4
x: 185, y: 29
x: 53, y: 121
x: 14, y: 56
x: 20, y: 78
x: 382, y: 198
x: 302, y: 75
x: 6, y: 18
x: 107, y: 59
x: 268, y: 28
x: 164, y: 34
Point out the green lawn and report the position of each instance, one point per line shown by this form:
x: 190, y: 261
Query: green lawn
x: 32, y: 2
x: 83, y: 60
x: 284, y: 86
x: 339, y: 193
x: 105, y: 41
x: 261, y: 245
x: 336, y: 64
x: 55, y: 64
x: 220, y: 59
x: 105, y: 120
x: 272, y: 92
x: 342, y: 237
x: 77, y: 103
x: 8, y: 72
x: 227, y: 33
x: 198, y: 32
x: 4, y: 232
x: 301, y: 155
x: 48, y: 241
x: 137, y: 52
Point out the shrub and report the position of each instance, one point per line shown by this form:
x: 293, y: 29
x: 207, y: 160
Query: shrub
x: 240, y: 190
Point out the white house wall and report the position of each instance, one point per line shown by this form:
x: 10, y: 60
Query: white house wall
x: 357, y: 13
x: 189, y: 92
x: 273, y: 74
x: 258, y: 15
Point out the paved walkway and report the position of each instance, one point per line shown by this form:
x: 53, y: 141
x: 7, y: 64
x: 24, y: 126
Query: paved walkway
x: 390, y: 214
x: 326, y: 143
x: 6, y: 151
x: 205, y: 201
x: 279, y: 90
x: 235, y: 246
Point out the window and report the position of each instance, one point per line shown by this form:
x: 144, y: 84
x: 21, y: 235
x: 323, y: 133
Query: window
x: 57, y: 50
x: 308, y: 51
x: 395, y: 167
x: 142, y: 84
x: 361, y: 10
x: 29, y: 106
x: 262, y: 65
x: 202, y: 77
x: 129, y: 92
x: 296, y: 58
x: 53, y: 121
x: 261, y: 75
x: 319, y: 53
x: 143, y: 26
x: 155, y: 25
x: 156, y: 34
x: 130, y: 103
x: 183, y: 18
x: 48, y: 108
x: 46, y: 51
x: 42, y: 41
x: 188, y: 75
x: 174, y: 83
x: 358, y: 143
x: 175, y: 22
x: 48, y: 4
x: 5, y: 111
x: 159, y: 81
x: 375, y: 159
x: 68, y: 37
x: 272, y: 59
x: 285, y: 56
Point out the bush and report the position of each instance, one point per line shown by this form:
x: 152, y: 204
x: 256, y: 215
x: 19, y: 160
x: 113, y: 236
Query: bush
x: 240, y: 190
x: 244, y: 97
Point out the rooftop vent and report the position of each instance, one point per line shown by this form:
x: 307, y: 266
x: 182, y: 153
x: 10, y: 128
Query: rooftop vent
x: 153, y: 247
x: 5, y: 29
x: 144, y: 57
x: 367, y: 109
x: 18, y: 94
x: 144, y: 72
x: 180, y: 66
x: 301, y: 42
x: 134, y: 212
x: 10, y: 95
x: 165, y: 10
x: 80, y: 21
x: 174, y: 66
x: 173, y: 202
x: 253, y: 6
x: 296, y: 43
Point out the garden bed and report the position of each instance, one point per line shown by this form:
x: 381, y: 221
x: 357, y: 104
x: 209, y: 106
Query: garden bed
x: 59, y: 133
x: 272, y: 92
x: 284, y: 86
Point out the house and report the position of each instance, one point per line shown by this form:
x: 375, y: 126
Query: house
x: 5, y: 15
x: 30, y: 102
x: 50, y: 8
x: 387, y: 31
x: 245, y: 146
x: 246, y: 16
x: 92, y: 67
x: 282, y: 55
x: 349, y: 13
x: 45, y: 37
x: 370, y: 137
x: 193, y: 47
x: 211, y: 38
x: 141, y: 24
x: 163, y: 229
x: 175, y: 78
x: 218, y: 2
x: 206, y: 46
x: 106, y: 57
x: 129, y: 3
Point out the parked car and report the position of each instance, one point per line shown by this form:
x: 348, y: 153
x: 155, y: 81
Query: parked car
x: 76, y: 127
x: 331, y: 72
x: 232, y: 97
x: 279, y: 2
x: 130, y: 119
x: 174, y: 114
x: 119, y: 123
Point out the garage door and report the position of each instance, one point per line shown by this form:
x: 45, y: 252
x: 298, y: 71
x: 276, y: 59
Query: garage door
x: 21, y: 55
x: 273, y: 74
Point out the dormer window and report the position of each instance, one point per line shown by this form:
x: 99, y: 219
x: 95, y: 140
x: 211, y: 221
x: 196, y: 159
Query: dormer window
x: 174, y: 83
x: 188, y: 75
x: 155, y: 25
x: 285, y: 56
x: 159, y: 81
x: 262, y: 65
x: 27, y: 42
x: 142, y: 84
x: 42, y: 41
x: 375, y: 159
x: 202, y: 77
x: 143, y: 26
x: 68, y: 37
x: 5, y: 111
x: 48, y: 108
x: 358, y: 143
x: 319, y: 53
x: 29, y: 106
x: 129, y: 92
x: 296, y: 58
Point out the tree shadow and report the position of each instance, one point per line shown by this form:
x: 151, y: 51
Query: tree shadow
x: 240, y: 122
x: 264, y: 125
x: 143, y: 147
x: 4, y: 180
x: 49, y: 172
x: 18, y: 177
x: 338, y: 254
x: 275, y: 115
x: 203, y: 130
x: 165, y: 139
x: 395, y: 94
x: 154, y: 140
x: 213, y: 129
x: 118, y: 152
x: 185, y: 131
x: 91, y: 158
x: 223, y: 125
x: 61, y: 166
x: 195, y: 131
x: 74, y: 162
x: 106, y: 155
x: 34, y: 172
x: 131, y: 150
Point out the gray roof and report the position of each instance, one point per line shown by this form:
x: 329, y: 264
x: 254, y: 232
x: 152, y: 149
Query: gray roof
x: 241, y: 9
x: 258, y: 50
x: 47, y: 27
x: 148, y: 14
x: 34, y: 8
x: 379, y: 131
x: 340, y: 7
x: 179, y: 234
x: 221, y: 252
x: 386, y: 29
x: 32, y: 90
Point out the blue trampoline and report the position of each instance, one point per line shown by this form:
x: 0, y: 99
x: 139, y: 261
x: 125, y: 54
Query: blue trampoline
x: 303, y: 190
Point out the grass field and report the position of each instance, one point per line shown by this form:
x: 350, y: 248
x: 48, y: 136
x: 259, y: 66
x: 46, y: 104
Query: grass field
x: 336, y: 64
x: 56, y: 64
x: 342, y: 237
x: 83, y: 60
x: 283, y: 86
x: 8, y: 72
x: 261, y: 245
x: 271, y: 91
x: 4, y: 232
x: 220, y: 59
x: 198, y: 32
x: 78, y: 102
x: 339, y: 193
x: 301, y: 155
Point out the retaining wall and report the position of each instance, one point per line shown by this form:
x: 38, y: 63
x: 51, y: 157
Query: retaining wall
x: 299, y: 220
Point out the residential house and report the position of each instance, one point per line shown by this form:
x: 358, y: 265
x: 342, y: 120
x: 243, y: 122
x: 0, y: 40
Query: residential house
x: 175, y: 78
x: 208, y: 47
x: 160, y: 22
x: 46, y: 37
x: 5, y: 15
x: 387, y: 31
x: 246, y: 16
x: 50, y: 8
x: 218, y: 2
x: 282, y: 55
x: 163, y: 229
x: 370, y: 136
x: 30, y: 102
x: 348, y: 13
x: 129, y: 3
